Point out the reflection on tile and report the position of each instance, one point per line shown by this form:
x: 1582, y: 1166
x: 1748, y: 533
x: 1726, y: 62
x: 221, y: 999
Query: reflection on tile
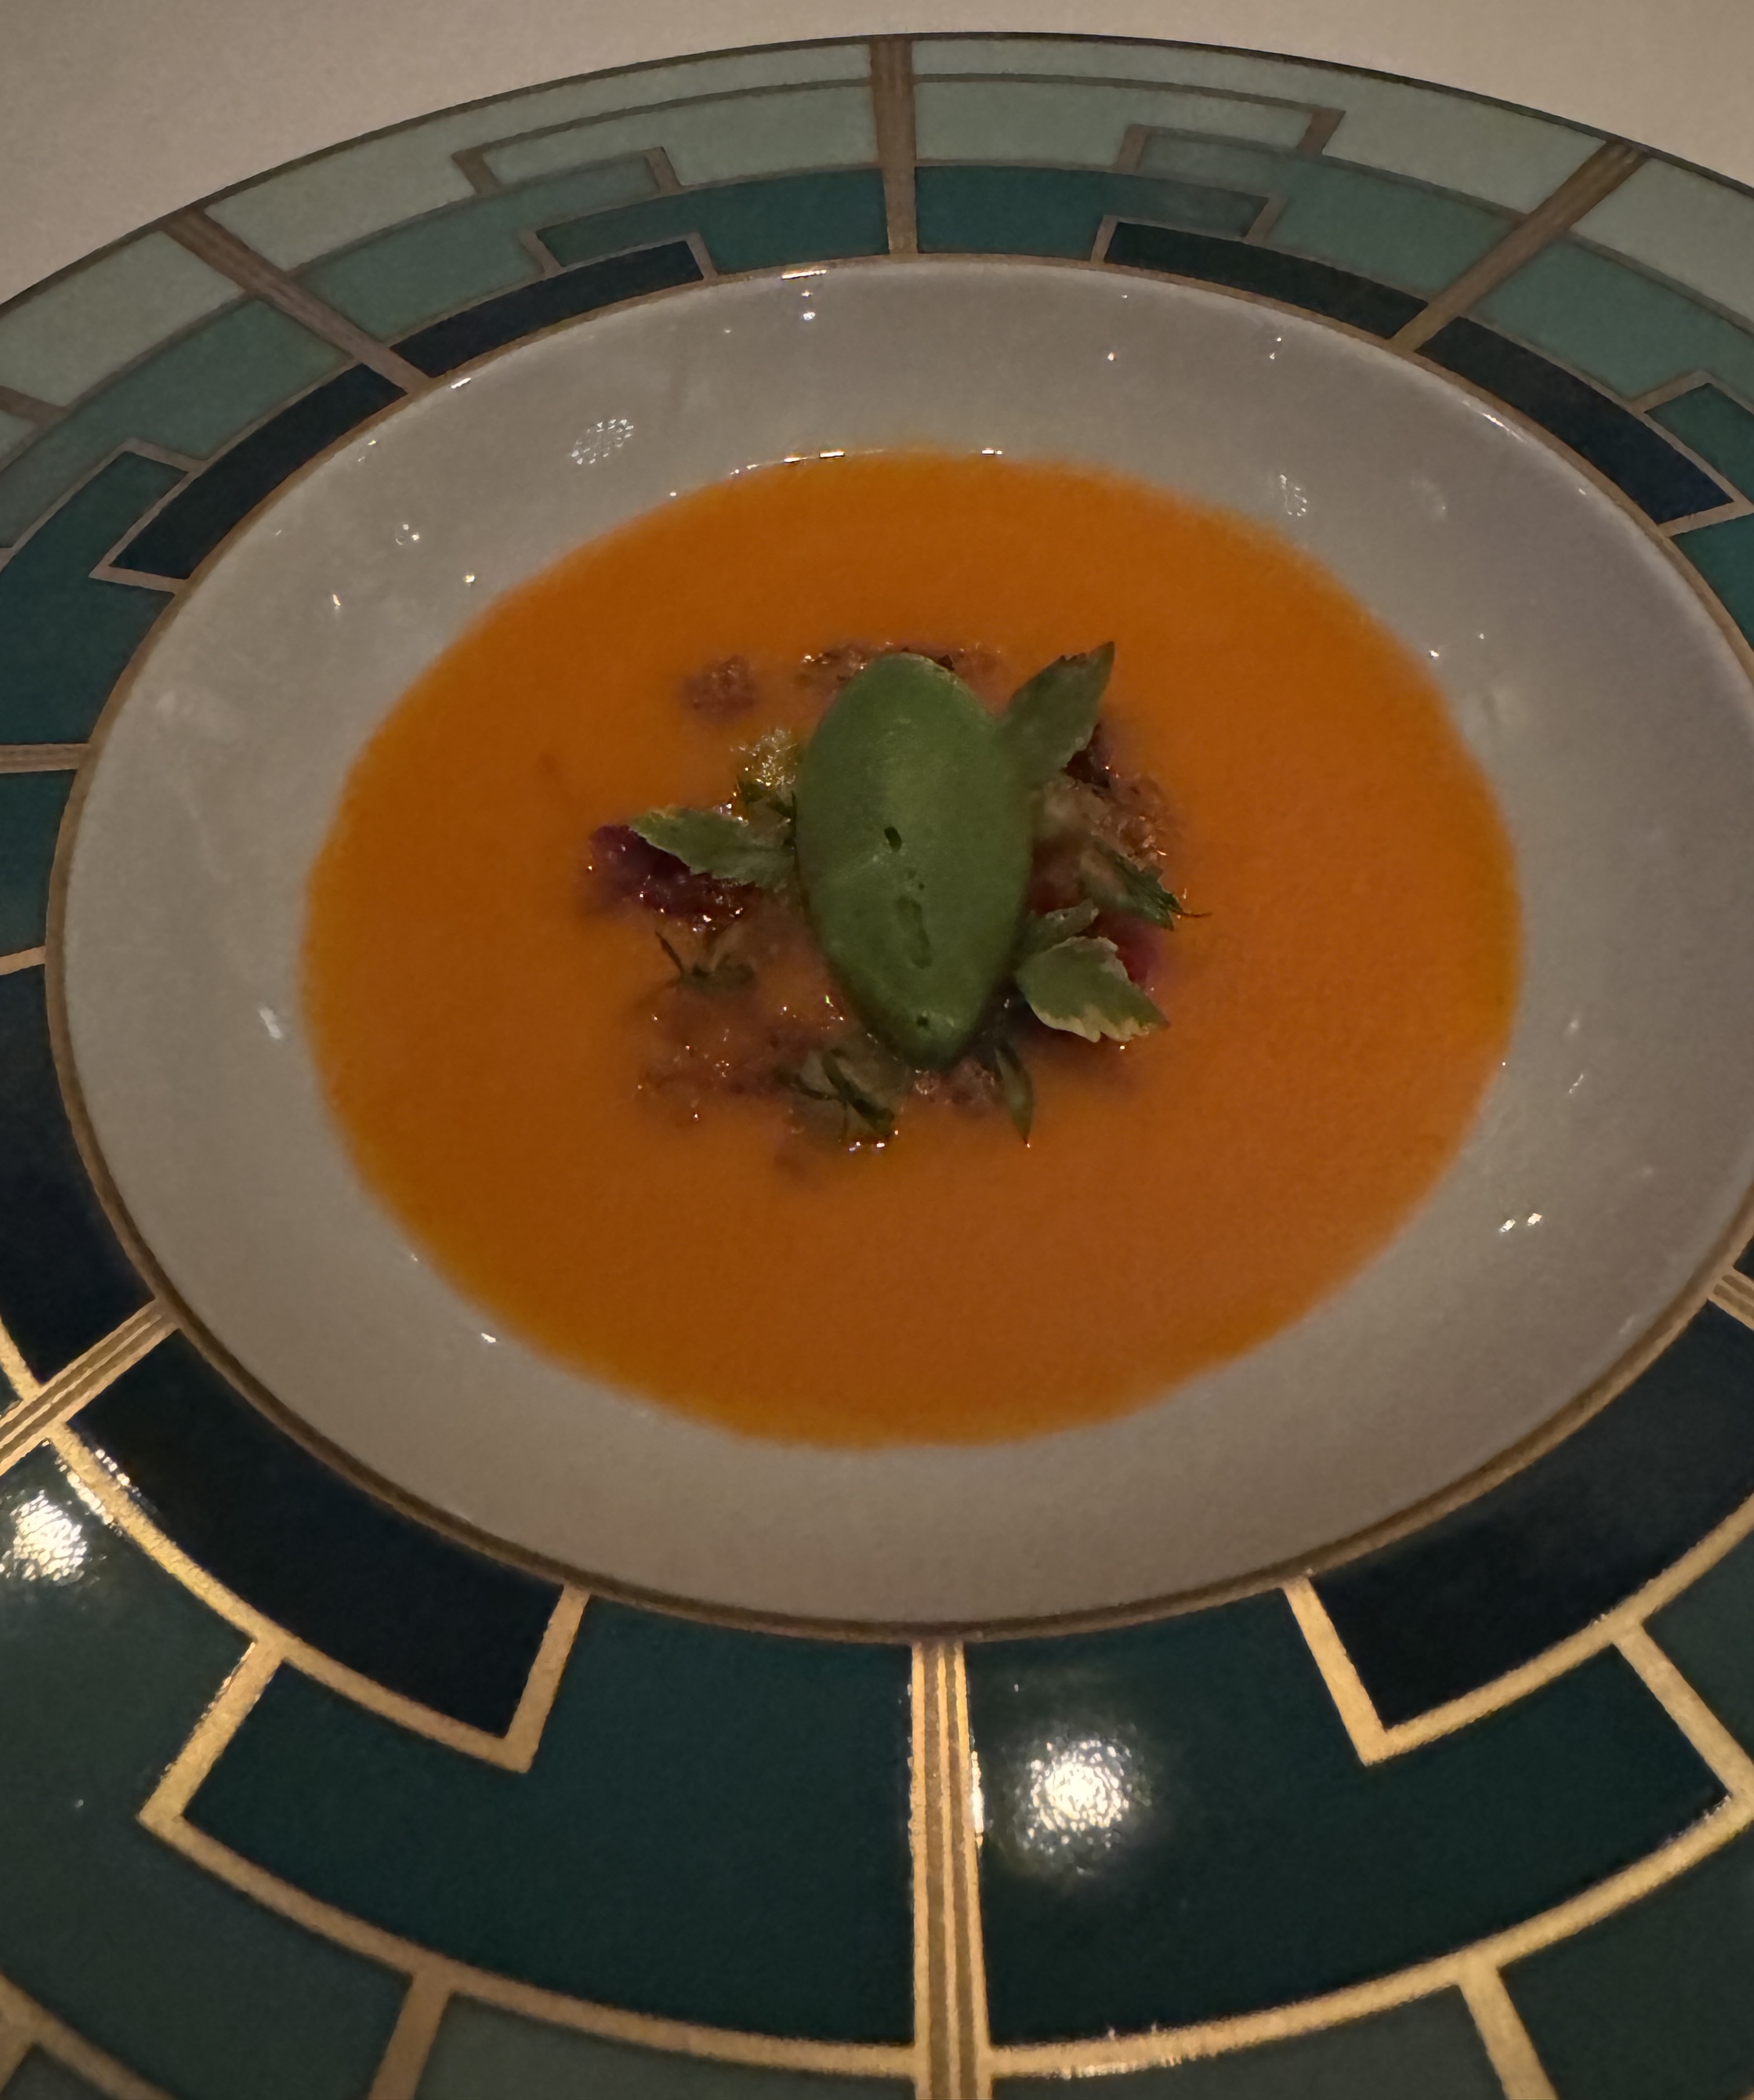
x: 64, y: 1281
x: 447, y: 344
x: 1616, y: 324
x: 64, y: 637
x: 39, y: 2077
x: 1662, y: 482
x: 746, y: 225
x: 199, y: 516
x: 1064, y: 124
x: 1718, y: 430
x: 1375, y: 224
x: 414, y: 273
x: 106, y: 1665
x: 483, y: 2054
x: 57, y: 343
x: 1053, y: 211
x: 192, y: 398
x: 1508, y: 157
x: 1724, y: 556
x: 304, y: 212
x: 1655, y: 2000
x: 1177, y: 1827
x: 1493, y: 1584
x: 715, y: 1827
x: 1709, y: 1632
x: 1698, y: 231
x: 1428, y: 2050
x: 1377, y: 309
x: 30, y: 816
x: 388, y: 1596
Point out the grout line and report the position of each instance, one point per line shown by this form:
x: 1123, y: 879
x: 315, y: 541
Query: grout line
x: 1505, y: 2038
x: 1580, y: 192
x: 531, y: 243
x: 21, y: 959
x: 1324, y: 122
x: 14, y: 2046
x: 40, y: 758
x: 101, y: 2072
x: 41, y: 1410
x: 1734, y: 1293
x: 974, y: 2047
x: 523, y: 1737
x: 1346, y: 1687
x: 1728, y: 1760
x: 949, y: 1979
x: 411, y: 2042
x: 18, y: 1374
x: 28, y: 408
x: 222, y: 250
x: 663, y: 170
x: 227, y: 1712
x: 893, y: 108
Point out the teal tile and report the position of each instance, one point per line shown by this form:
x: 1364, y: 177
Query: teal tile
x: 483, y: 2054
x: 1724, y: 555
x: 1657, y: 2002
x: 1457, y: 142
x: 746, y: 225
x: 30, y: 820
x: 64, y: 637
x: 298, y: 213
x: 40, y: 2077
x: 57, y: 343
x: 1616, y: 324
x: 1428, y: 2050
x: 106, y: 1664
x: 715, y: 1827
x: 1720, y: 430
x: 1709, y: 1631
x: 1177, y: 1829
x: 192, y: 398
x: 450, y: 258
x: 1404, y: 233
x: 1081, y: 125
x: 1054, y: 211
x: 1688, y: 226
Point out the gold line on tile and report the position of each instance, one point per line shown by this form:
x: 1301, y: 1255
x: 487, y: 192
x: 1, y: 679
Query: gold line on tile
x: 950, y: 1984
x: 18, y: 1375
x: 28, y: 408
x: 40, y: 758
x: 1346, y: 1687
x: 1580, y: 192
x: 41, y: 1411
x: 226, y: 1713
x: 21, y: 959
x: 58, y: 2041
x: 411, y: 2042
x: 512, y: 1752
x: 14, y: 2046
x: 220, y: 248
x: 893, y: 108
x: 1689, y: 1712
x: 1505, y: 2038
x: 1734, y: 1293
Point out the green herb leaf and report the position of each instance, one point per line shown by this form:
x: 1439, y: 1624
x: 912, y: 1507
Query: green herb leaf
x: 1016, y: 1089
x: 859, y: 1077
x: 1081, y: 987
x: 1051, y: 928
x: 712, y: 973
x: 1051, y: 718
x: 1117, y: 884
x: 712, y: 843
x: 877, y: 1115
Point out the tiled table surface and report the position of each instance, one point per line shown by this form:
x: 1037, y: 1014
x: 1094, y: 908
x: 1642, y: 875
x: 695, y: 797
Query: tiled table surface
x: 300, y: 1797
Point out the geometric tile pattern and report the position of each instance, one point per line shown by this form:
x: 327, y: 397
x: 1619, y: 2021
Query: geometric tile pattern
x: 301, y: 1797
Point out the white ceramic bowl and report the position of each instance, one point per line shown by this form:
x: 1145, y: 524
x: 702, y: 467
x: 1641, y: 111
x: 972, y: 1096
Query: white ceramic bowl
x: 1601, y: 694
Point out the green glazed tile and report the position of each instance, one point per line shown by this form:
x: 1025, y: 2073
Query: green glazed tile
x: 715, y: 1827
x: 1428, y: 2050
x: 64, y: 637
x: 30, y: 818
x: 1657, y: 2002
x: 1055, y: 211
x: 451, y: 258
x: 14, y: 431
x: 1724, y: 555
x: 40, y: 2077
x: 746, y: 225
x: 1401, y: 232
x: 1720, y: 430
x: 1072, y: 124
x: 1507, y: 156
x: 192, y: 398
x: 1615, y: 324
x: 106, y: 1664
x: 483, y: 2054
x: 56, y: 343
x: 341, y: 197
x: 1690, y: 228
x: 1709, y: 1632
x: 1179, y: 1829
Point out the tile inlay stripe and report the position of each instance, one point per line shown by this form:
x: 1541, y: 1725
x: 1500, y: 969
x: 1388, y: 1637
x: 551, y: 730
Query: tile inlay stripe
x: 950, y: 1977
x: 42, y: 1408
x: 893, y: 107
x: 42, y: 2031
x: 40, y: 758
x: 416, y: 2029
x: 1507, y: 2040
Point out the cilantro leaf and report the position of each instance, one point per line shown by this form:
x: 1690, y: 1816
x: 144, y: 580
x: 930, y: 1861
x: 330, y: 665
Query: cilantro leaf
x: 712, y: 843
x: 1016, y: 1089
x: 1051, y: 928
x: 1080, y: 986
x: 1052, y: 717
x: 712, y: 973
x: 1119, y: 884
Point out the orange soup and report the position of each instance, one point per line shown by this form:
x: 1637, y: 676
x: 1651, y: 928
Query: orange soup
x: 1334, y: 1016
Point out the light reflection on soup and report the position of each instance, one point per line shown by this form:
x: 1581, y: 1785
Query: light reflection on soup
x: 1333, y: 1019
